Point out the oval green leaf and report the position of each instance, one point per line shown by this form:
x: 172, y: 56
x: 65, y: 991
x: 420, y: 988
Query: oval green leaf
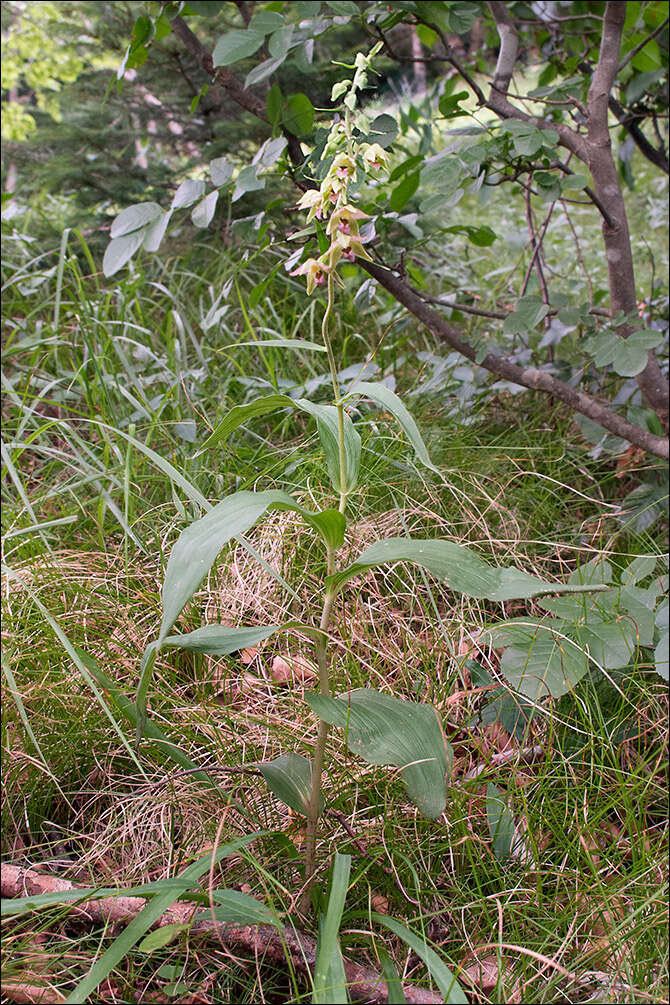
x: 385, y: 730
x: 289, y: 778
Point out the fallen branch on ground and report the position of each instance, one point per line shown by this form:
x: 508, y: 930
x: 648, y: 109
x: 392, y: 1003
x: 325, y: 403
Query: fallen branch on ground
x: 260, y: 941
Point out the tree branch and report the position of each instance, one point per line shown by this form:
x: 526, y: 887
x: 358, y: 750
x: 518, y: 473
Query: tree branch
x: 230, y: 83
x: 537, y: 380
x: 638, y: 48
x: 656, y: 155
x: 261, y: 941
x: 616, y: 235
x: 498, y: 100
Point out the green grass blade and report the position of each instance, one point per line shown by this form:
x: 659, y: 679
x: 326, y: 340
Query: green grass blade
x: 159, y: 904
x: 445, y: 980
x: 329, y: 978
x: 72, y: 653
x: 130, y: 711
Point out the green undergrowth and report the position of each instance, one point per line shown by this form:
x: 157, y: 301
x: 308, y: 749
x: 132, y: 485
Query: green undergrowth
x: 92, y: 375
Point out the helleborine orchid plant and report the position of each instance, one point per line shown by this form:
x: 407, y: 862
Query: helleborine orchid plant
x: 380, y: 728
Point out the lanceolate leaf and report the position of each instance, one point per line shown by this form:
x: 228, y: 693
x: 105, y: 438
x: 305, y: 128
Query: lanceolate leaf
x: 330, y: 982
x: 242, y: 413
x: 198, y: 546
x: 460, y: 568
x: 328, y: 429
x: 385, y: 730
x: 289, y: 777
x: 387, y: 398
x: 445, y: 980
x: 219, y: 640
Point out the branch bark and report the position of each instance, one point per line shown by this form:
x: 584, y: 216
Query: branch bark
x: 260, y: 941
x: 607, y: 187
x: 656, y: 155
x: 531, y: 377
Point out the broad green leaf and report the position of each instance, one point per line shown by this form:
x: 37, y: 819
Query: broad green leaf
x: 219, y: 640
x: 289, y: 777
x: 639, y: 568
x: 263, y: 70
x: 639, y: 605
x: 266, y: 21
x: 529, y: 312
x: 460, y: 568
x: 385, y: 397
x: 439, y: 972
x: 462, y: 16
x: 449, y: 104
x: 343, y: 7
x: 221, y: 171
x: 405, y: 166
x: 161, y: 937
x: 199, y: 544
x: 155, y: 232
x: 331, y: 525
x: 327, y: 425
x: 610, y: 644
x: 120, y: 250
x: 330, y: 982
x: 383, y: 131
x: 150, y: 914
x: 548, y: 185
x: 385, y: 730
x: 527, y: 138
x: 240, y: 414
x: 271, y: 151
x: 298, y: 114
x: 188, y: 192
x: 205, y: 8
x: 203, y: 213
x: 247, y: 181
x: 280, y: 42
x: 482, y: 237
x: 538, y: 661
x: 501, y: 823
x: 273, y: 105
x: 236, y: 45
x: 661, y: 656
x: 628, y: 356
x: 134, y: 218
x: 403, y: 192
x: 235, y: 908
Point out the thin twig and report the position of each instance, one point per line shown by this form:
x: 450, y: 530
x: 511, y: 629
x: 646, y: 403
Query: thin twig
x: 633, y: 52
